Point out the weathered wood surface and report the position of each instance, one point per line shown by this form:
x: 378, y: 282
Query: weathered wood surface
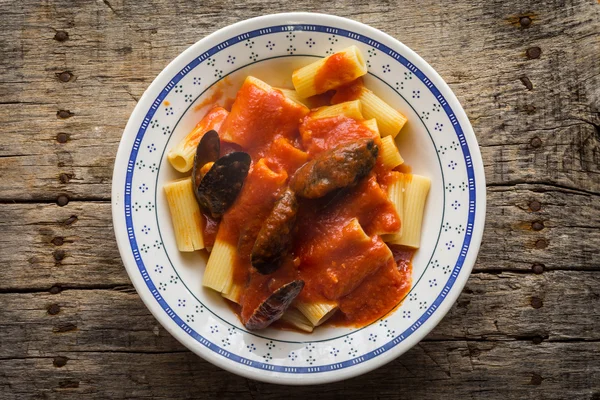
x: 448, y: 369
x: 86, y: 255
x: 71, y: 326
x: 491, y: 308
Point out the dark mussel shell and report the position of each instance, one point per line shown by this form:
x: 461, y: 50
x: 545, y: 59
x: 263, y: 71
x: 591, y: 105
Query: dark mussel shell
x: 217, y: 189
x: 220, y: 186
x: 274, y: 306
x: 275, y: 236
x: 335, y: 169
x: 208, y: 150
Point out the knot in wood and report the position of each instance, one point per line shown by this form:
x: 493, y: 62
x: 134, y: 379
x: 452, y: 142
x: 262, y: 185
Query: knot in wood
x: 535, y: 205
x: 536, y: 302
x: 53, y: 309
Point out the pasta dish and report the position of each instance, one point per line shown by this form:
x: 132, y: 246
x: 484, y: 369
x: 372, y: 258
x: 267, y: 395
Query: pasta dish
x: 302, y: 199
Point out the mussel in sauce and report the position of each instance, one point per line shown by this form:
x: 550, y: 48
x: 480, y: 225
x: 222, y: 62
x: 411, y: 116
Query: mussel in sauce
x: 275, y: 236
x: 337, y: 168
x: 274, y: 306
x: 217, y: 181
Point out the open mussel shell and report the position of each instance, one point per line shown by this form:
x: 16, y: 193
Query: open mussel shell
x: 208, y: 150
x: 220, y: 186
x: 274, y: 306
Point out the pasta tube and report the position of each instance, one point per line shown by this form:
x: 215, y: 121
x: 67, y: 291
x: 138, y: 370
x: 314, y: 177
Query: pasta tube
x: 295, y: 318
x: 259, y: 114
x: 372, y: 125
x: 329, y: 73
x: 390, y: 156
x: 219, y: 269
x: 390, y: 121
x: 317, y: 313
x: 182, y: 155
x: 293, y: 95
x: 416, y: 188
x: 185, y: 215
x: 396, y: 196
x: 234, y: 293
x: 351, y: 109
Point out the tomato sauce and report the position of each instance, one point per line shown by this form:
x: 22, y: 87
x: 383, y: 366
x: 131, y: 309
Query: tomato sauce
x: 216, y: 96
x: 323, y: 134
x: 210, y: 230
x: 349, y: 92
x: 258, y: 117
x: 337, y: 70
x: 337, y: 249
x: 213, y: 119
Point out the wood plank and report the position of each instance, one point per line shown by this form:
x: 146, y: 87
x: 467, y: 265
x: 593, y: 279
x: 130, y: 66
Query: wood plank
x: 492, y: 307
x: 548, y: 134
x: 433, y: 370
x: 571, y: 233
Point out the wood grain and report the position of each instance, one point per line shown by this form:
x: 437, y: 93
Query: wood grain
x: 88, y: 256
x: 480, y: 50
x: 71, y: 326
x: 492, y: 308
x: 431, y: 370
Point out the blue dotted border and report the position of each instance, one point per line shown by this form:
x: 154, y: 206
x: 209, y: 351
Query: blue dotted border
x: 280, y: 368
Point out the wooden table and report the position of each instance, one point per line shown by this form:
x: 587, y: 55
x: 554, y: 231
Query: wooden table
x: 528, y: 322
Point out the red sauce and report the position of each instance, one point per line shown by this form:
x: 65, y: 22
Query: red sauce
x: 376, y: 296
x: 326, y: 133
x: 320, y: 100
x: 212, y: 120
x: 260, y: 191
x: 337, y: 70
x: 258, y: 117
x: 337, y: 249
x: 210, y: 230
x: 215, y: 96
x: 348, y: 92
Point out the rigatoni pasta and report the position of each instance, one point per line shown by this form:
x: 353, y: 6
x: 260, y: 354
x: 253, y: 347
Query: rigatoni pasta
x: 416, y: 189
x: 295, y: 318
x: 329, y: 73
x: 317, y: 313
x: 350, y: 109
x: 372, y: 125
x: 185, y: 215
x: 390, y: 121
x: 182, y: 155
x: 396, y: 196
x: 219, y: 269
x: 293, y: 95
x: 390, y: 156
x: 235, y: 292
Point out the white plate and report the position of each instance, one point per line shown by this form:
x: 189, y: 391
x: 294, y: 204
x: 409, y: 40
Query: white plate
x: 438, y: 142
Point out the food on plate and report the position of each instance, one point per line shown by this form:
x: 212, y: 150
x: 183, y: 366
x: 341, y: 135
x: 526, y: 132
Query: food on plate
x: 338, y: 168
x: 329, y: 73
x: 276, y: 234
x: 217, y: 180
x: 182, y: 155
x: 306, y: 209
